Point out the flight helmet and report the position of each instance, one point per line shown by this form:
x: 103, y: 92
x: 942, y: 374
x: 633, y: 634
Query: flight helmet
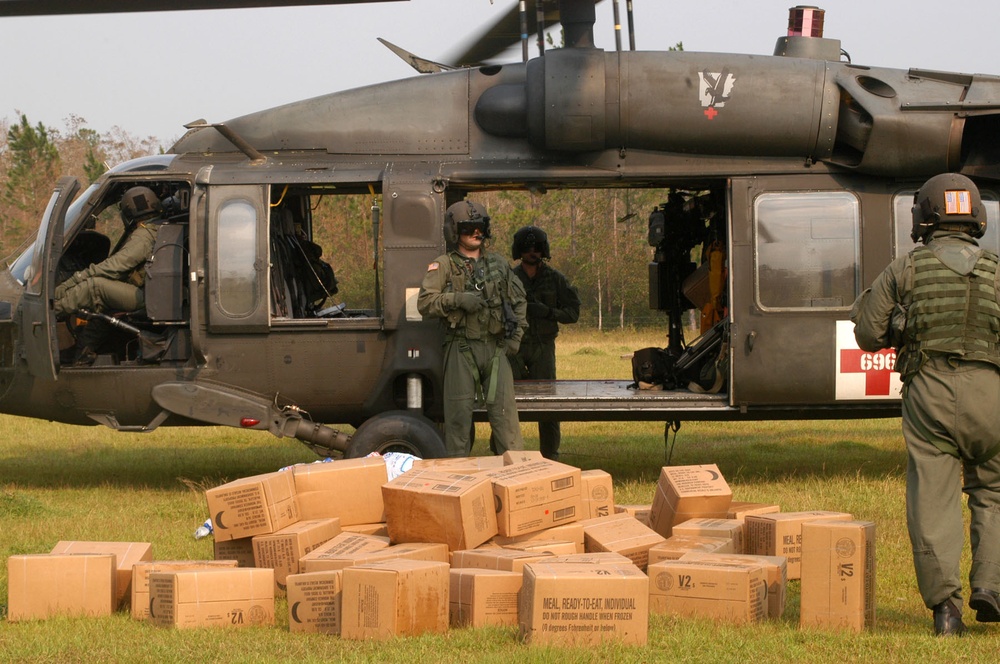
x: 139, y: 204
x: 944, y: 201
x: 528, y: 236
x: 465, y: 216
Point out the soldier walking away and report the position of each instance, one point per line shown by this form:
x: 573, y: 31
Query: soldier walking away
x: 116, y: 283
x: 551, y: 300
x: 480, y: 303
x: 937, y: 306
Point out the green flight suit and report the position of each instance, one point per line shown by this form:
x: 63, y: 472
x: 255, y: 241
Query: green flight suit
x: 474, y: 346
x: 551, y: 301
x: 950, y: 365
x: 115, y: 283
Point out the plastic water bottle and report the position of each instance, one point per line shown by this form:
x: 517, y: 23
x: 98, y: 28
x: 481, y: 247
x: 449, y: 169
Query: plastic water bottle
x: 204, y: 530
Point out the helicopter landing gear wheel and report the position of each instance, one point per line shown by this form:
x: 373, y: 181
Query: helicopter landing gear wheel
x: 397, y: 431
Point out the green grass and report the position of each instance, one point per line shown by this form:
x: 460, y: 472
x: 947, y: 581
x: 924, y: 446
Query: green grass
x: 60, y: 482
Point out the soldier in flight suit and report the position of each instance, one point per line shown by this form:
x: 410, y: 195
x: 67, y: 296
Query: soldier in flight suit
x: 551, y: 301
x: 938, y: 307
x: 115, y: 283
x: 467, y: 289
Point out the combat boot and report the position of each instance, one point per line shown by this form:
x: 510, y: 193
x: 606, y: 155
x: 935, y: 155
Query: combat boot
x: 986, y: 605
x: 948, y: 619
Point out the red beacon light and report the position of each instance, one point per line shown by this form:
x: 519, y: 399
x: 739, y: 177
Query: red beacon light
x: 805, y: 21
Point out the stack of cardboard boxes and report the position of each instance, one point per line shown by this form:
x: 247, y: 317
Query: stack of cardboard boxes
x: 457, y: 542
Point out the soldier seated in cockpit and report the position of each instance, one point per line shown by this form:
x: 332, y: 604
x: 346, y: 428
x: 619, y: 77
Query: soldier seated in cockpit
x: 114, y: 284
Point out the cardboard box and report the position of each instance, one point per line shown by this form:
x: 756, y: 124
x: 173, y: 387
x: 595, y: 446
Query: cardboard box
x: 640, y: 512
x: 535, y: 495
x: 395, y: 598
x: 378, y: 529
x: 466, y: 465
x: 281, y: 550
x: 348, y: 489
x: 739, y: 509
x: 240, y: 550
x: 776, y: 568
x: 570, y: 532
x: 435, y: 506
x: 731, y: 591
x: 675, y: 546
x: 255, y: 505
x: 507, y: 560
x: 725, y: 528
x: 212, y: 598
x: 126, y: 555
x: 314, y: 602
x: 45, y: 585
x: 598, y: 493
x: 341, y: 546
x: 480, y: 597
x: 510, y: 457
x: 434, y: 552
x: 554, y: 547
x: 688, y: 492
x: 781, y: 535
x: 838, y: 575
x: 572, y: 604
x: 142, y: 570
x: 599, y: 558
x: 621, y: 533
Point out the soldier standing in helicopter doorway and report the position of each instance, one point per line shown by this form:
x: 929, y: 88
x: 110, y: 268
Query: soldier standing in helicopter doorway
x: 481, y: 304
x: 938, y: 307
x: 551, y: 301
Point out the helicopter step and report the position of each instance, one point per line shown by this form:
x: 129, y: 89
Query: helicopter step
x: 617, y: 401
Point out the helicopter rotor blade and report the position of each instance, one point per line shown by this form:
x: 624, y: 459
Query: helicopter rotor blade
x: 56, y: 7
x: 506, y: 30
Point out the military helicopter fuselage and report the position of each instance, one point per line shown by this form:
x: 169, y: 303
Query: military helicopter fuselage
x: 802, y: 165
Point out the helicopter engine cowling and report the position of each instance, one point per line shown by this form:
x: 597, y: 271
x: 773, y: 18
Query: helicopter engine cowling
x: 584, y: 100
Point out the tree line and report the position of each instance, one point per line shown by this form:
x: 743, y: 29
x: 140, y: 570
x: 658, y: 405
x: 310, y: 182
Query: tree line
x: 598, y: 237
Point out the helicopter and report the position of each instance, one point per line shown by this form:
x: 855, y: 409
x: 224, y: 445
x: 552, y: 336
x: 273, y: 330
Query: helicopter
x: 800, y: 168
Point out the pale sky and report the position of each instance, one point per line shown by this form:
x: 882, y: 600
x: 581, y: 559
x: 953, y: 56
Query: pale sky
x: 150, y: 73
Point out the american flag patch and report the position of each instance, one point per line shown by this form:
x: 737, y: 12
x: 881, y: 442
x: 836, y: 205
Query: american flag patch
x: 957, y: 201
x: 433, y: 266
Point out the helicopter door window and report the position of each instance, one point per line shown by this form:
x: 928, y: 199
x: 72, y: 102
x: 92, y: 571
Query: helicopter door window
x: 807, y: 250
x: 902, y: 220
x: 237, y: 276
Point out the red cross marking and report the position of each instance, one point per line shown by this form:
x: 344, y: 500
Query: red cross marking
x: 877, y: 368
x: 710, y: 112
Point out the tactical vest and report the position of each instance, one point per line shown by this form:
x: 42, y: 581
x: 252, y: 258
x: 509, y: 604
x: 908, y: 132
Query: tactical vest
x: 951, y: 313
x: 486, y: 276
x: 543, y: 288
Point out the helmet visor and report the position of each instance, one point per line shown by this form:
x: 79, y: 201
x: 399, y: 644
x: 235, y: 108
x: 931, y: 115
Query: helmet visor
x: 470, y: 227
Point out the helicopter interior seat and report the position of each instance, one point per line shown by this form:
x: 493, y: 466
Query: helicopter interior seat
x: 165, y: 292
x: 286, y: 291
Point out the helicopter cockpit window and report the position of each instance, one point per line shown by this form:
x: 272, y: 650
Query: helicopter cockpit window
x: 807, y: 250
x: 902, y: 220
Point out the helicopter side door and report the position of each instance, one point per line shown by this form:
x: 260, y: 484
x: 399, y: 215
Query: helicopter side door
x: 38, y: 328
x: 796, y: 270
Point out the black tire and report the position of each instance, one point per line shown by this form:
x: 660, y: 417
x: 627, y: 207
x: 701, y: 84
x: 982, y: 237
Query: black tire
x: 397, y: 431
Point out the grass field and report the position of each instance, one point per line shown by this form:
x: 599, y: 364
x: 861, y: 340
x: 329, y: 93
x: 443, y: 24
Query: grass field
x: 72, y: 483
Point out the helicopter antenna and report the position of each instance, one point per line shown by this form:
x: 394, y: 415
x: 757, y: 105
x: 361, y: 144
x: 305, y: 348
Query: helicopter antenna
x: 631, y: 25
